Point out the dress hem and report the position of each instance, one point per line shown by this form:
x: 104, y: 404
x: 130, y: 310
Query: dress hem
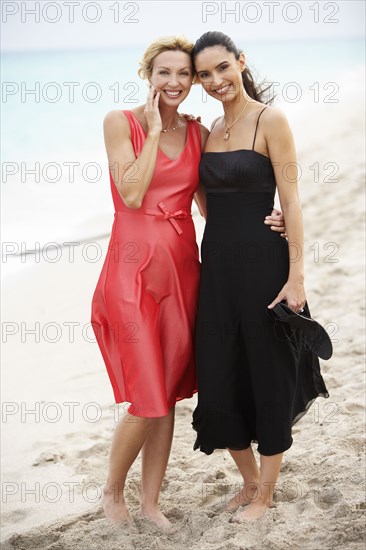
x: 149, y: 415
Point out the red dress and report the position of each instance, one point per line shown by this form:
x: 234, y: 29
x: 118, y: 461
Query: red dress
x: 145, y: 302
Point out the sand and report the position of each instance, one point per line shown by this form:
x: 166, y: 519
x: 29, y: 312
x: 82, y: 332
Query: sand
x: 319, y: 500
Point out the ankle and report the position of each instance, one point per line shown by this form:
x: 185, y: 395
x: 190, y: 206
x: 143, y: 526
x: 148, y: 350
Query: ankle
x: 252, y: 487
x: 149, y: 506
x: 114, y: 489
x: 252, y: 482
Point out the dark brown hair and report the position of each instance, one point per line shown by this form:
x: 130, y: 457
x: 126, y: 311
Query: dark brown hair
x: 216, y: 38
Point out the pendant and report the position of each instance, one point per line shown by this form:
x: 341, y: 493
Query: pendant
x: 226, y: 134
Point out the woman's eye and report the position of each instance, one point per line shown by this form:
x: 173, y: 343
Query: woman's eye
x: 203, y: 75
x: 181, y: 74
x: 222, y: 68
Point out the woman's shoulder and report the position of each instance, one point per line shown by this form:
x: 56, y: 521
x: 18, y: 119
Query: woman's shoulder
x: 116, y: 117
x: 271, y: 115
x: 116, y: 125
x: 119, y: 117
x: 273, y: 121
x: 203, y: 131
x: 214, y: 122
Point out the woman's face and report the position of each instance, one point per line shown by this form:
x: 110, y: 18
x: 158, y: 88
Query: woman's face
x: 172, y: 76
x: 220, y: 73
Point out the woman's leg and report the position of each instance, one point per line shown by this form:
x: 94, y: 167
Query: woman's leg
x: 128, y: 438
x: 248, y: 468
x: 269, y: 470
x: 155, y: 456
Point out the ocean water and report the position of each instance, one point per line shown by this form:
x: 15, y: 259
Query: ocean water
x: 55, y: 182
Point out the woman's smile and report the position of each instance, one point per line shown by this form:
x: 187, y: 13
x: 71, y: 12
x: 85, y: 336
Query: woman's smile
x: 223, y: 89
x: 173, y: 93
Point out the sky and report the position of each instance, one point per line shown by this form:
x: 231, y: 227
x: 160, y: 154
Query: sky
x: 85, y: 24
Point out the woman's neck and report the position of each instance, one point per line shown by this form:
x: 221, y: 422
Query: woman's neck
x: 168, y: 116
x: 233, y: 108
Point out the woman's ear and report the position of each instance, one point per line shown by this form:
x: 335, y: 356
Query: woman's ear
x: 242, y: 61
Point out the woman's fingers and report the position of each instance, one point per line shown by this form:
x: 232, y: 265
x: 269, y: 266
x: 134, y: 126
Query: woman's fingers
x: 295, y: 305
x: 276, y: 223
x: 156, y: 100
x: 150, y: 97
x: 152, y: 112
x: 270, y: 220
x: 189, y: 117
x: 275, y: 212
x: 280, y: 228
x: 276, y: 301
x: 275, y: 220
x: 192, y: 117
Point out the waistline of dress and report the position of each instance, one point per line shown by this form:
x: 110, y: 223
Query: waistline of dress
x: 162, y: 214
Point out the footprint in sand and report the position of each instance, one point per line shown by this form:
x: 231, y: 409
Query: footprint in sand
x: 48, y: 457
x: 211, y: 478
x: 327, y: 497
x: 98, y: 448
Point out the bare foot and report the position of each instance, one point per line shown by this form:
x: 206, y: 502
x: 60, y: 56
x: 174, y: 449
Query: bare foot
x: 242, y: 497
x: 253, y: 511
x: 114, y: 507
x: 157, y: 517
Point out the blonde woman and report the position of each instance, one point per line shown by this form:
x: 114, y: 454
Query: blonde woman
x: 144, y: 305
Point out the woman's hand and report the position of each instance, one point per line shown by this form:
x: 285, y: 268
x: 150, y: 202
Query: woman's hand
x: 294, y: 294
x: 192, y: 117
x: 152, y: 112
x: 277, y: 222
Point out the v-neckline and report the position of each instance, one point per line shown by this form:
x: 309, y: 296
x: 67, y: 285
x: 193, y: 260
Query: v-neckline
x: 160, y: 150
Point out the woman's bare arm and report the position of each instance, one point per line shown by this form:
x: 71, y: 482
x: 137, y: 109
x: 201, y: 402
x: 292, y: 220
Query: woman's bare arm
x: 283, y: 156
x: 131, y: 175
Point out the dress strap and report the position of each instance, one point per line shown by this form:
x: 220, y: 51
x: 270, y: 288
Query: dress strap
x: 213, y: 123
x: 138, y: 134
x: 256, y: 127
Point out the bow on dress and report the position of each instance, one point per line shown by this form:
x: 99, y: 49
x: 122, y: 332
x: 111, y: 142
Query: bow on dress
x: 171, y: 216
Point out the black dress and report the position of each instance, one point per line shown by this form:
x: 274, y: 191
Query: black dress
x: 254, y: 382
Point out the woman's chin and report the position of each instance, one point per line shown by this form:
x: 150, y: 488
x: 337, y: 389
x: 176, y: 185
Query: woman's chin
x: 224, y: 98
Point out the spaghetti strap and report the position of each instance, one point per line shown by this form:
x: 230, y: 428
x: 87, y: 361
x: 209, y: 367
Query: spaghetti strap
x: 213, y: 123
x: 256, y: 127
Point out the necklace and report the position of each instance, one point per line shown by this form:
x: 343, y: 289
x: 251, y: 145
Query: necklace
x: 174, y: 127
x: 227, y: 127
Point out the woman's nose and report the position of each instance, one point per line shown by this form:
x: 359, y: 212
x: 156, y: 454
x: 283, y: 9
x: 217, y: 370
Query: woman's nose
x: 216, y: 80
x: 173, y: 80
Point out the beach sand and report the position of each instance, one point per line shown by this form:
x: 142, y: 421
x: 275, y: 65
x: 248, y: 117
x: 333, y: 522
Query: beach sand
x: 55, y: 463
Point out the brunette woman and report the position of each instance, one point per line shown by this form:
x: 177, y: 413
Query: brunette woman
x: 252, y: 385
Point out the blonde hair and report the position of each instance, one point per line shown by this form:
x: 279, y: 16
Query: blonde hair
x: 164, y: 44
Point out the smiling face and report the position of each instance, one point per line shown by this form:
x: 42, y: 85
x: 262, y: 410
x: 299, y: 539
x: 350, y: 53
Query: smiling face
x: 219, y: 72
x: 172, y: 75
